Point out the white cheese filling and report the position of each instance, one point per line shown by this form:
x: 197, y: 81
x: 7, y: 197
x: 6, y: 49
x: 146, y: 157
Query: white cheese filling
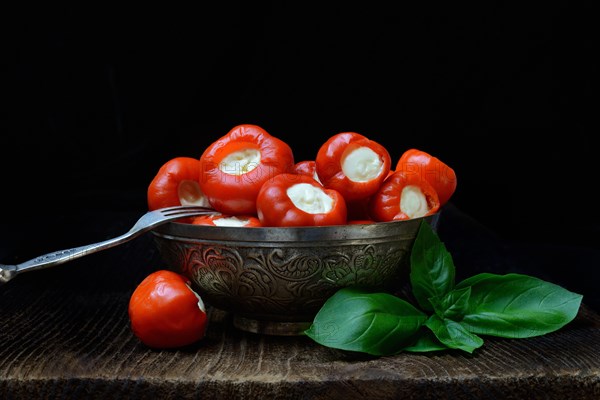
x: 362, y: 165
x: 230, y: 221
x: 240, y: 162
x: 310, y: 199
x: 190, y: 194
x: 413, y: 202
x: 201, y: 305
x: 316, y: 177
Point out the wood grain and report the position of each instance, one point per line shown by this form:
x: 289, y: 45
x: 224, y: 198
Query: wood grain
x: 64, y: 333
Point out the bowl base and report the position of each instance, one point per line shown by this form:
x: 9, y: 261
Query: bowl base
x: 278, y: 328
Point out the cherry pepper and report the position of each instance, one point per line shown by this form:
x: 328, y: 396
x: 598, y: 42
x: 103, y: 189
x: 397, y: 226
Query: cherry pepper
x: 234, y: 167
x: 307, y: 167
x: 175, y: 184
x: 353, y: 165
x: 403, y: 197
x: 165, y: 312
x: 299, y: 200
x: 430, y: 168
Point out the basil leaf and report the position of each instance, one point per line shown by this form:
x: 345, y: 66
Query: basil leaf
x: 517, y: 306
x: 453, y: 334
x: 453, y: 305
x: 432, y: 271
x: 373, y: 323
x: 426, y: 341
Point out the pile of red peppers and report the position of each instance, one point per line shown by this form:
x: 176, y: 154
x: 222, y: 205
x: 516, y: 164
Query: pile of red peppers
x: 251, y: 175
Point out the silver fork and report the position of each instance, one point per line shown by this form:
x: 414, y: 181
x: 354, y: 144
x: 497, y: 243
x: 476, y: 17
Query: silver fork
x: 148, y: 221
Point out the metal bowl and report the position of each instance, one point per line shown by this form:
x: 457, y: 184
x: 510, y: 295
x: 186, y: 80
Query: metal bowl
x: 274, y: 280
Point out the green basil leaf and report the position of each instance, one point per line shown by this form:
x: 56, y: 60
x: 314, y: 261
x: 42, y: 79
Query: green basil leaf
x: 453, y: 305
x: 426, y: 341
x: 453, y: 334
x: 472, y: 280
x: 517, y: 306
x: 374, y: 323
x: 432, y: 271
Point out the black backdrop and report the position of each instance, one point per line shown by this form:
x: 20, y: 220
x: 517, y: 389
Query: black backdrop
x: 95, y: 101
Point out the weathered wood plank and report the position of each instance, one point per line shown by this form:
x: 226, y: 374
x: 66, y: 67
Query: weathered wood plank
x: 64, y: 333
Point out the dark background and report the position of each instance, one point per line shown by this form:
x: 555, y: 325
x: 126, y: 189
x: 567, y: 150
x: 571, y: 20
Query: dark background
x: 96, y: 101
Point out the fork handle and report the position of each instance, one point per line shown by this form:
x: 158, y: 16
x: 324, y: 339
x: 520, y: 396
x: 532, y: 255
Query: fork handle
x: 62, y: 256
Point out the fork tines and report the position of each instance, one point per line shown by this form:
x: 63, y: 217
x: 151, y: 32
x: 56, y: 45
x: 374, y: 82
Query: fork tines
x: 168, y: 211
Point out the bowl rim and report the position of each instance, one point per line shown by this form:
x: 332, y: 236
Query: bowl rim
x: 405, y: 228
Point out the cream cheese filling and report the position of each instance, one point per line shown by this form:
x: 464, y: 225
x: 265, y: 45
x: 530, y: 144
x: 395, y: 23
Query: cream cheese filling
x: 310, y: 199
x: 240, y: 162
x: 190, y: 194
x: 413, y: 202
x: 362, y: 165
x: 230, y: 221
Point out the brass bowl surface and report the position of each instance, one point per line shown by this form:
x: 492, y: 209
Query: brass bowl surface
x: 274, y: 280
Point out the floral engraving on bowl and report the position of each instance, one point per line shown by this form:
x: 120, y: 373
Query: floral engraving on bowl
x: 282, y: 282
x: 367, y: 266
x: 291, y: 266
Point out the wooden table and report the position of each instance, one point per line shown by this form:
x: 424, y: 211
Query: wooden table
x: 64, y: 333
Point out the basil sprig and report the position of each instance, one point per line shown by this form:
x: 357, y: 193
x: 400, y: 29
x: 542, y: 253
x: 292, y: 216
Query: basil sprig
x: 447, y: 315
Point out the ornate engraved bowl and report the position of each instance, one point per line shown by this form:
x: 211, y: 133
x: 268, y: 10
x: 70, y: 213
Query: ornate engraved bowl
x: 274, y: 280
